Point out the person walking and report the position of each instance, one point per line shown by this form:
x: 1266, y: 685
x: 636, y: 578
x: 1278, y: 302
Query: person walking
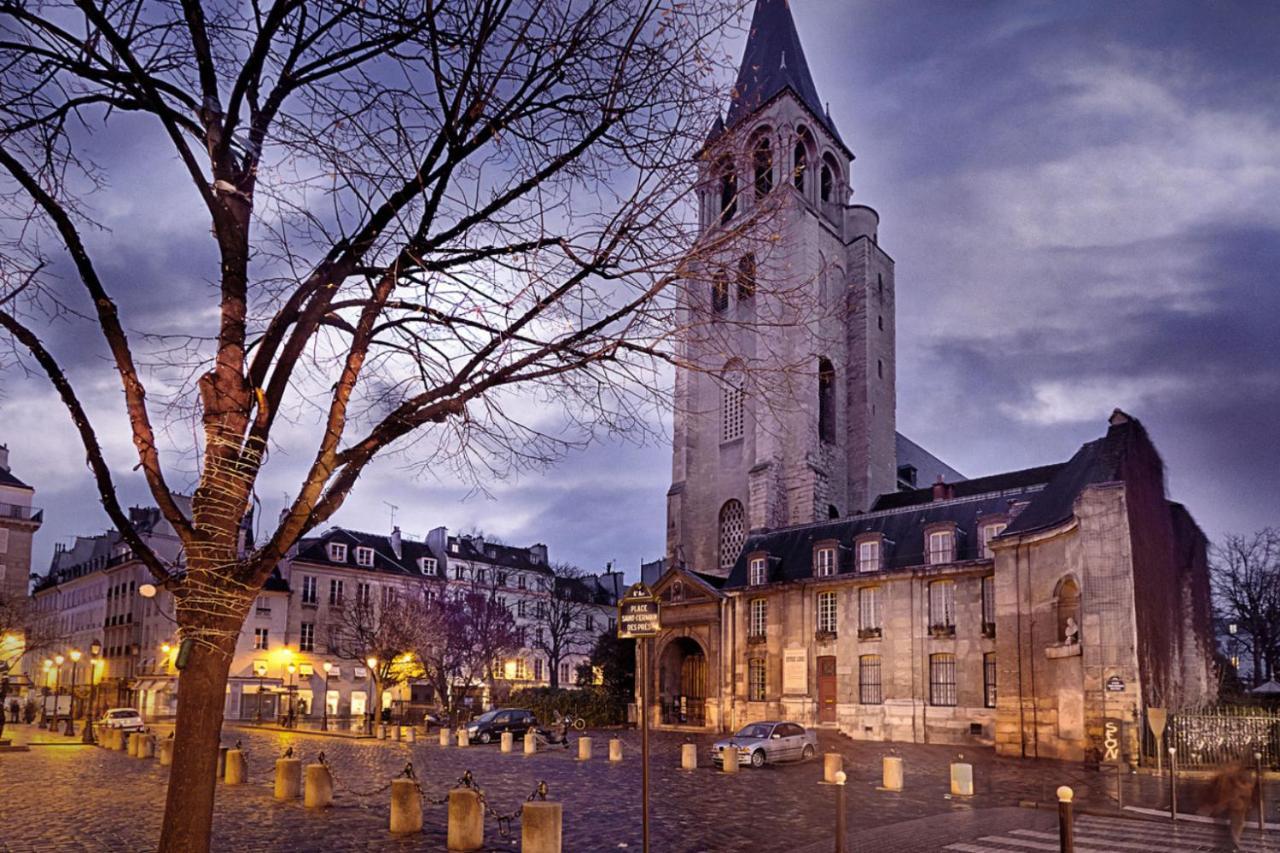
x: 1231, y: 794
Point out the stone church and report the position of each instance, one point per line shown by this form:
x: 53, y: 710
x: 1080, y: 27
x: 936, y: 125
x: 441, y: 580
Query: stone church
x: 823, y: 568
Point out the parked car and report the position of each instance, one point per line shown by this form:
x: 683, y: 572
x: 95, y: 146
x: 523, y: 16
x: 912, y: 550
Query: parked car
x: 122, y: 718
x: 490, y: 725
x: 769, y: 741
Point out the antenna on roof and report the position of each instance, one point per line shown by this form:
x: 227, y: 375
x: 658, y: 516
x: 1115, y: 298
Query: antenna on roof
x: 393, y: 512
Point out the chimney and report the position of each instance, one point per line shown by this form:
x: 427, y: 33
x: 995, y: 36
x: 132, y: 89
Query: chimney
x: 395, y: 541
x: 438, y: 541
x: 538, y: 553
x: 4, y: 457
x: 940, y: 489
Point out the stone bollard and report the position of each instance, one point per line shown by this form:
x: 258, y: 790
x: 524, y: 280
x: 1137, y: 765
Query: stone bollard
x: 466, y: 820
x: 235, y: 767
x: 288, y: 778
x: 729, y: 759
x: 222, y: 761
x: 615, y: 749
x: 892, y: 773
x: 540, y: 824
x: 446, y: 737
x: 508, y: 742
x: 382, y: 731
x: 146, y: 746
x: 131, y: 744
x: 317, y: 793
x: 399, y: 732
x: 411, y: 734
x: 689, y: 756
x: 109, y: 738
x: 584, y: 749
x: 530, y: 743
x: 832, y: 763
x: 164, y: 750
x: 406, y: 807
x: 961, y: 779
x: 464, y: 737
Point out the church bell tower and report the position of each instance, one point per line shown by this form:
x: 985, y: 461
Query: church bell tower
x: 785, y: 397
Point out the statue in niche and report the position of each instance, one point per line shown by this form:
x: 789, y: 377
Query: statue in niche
x: 1071, y: 632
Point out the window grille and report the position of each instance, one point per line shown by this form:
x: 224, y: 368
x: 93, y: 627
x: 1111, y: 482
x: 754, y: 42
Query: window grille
x: 762, y: 160
x: 728, y: 190
x: 732, y: 405
x: 870, y: 690
x: 827, y: 612
x: 989, y: 605
x: 308, y: 589
x: 732, y: 533
x: 746, y: 277
x: 757, y: 681
x: 942, y: 679
x: 335, y: 592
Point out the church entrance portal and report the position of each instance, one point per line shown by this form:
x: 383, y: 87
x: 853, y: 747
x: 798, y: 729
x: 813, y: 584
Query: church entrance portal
x: 682, y: 685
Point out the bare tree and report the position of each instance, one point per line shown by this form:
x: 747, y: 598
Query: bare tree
x: 563, y: 617
x: 1246, y: 589
x: 461, y: 637
x: 423, y: 215
x: 24, y: 634
x: 385, y: 631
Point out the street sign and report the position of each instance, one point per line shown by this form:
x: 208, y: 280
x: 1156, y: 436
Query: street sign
x: 638, y: 613
x: 1115, y: 684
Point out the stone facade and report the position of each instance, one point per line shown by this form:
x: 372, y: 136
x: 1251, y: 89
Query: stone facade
x: 19, y: 521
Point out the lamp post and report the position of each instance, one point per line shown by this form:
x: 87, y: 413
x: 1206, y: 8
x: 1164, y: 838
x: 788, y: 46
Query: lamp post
x: 75, y: 655
x: 261, y: 669
x: 57, y: 689
x: 369, y: 712
x: 324, y: 720
x: 95, y: 649
x: 292, y: 668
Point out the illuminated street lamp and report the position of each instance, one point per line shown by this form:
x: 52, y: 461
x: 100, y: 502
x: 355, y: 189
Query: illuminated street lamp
x: 369, y: 711
x: 57, y: 689
x: 95, y: 649
x: 328, y: 671
x: 262, y: 674
x: 292, y: 668
x: 75, y: 655
x: 44, y: 705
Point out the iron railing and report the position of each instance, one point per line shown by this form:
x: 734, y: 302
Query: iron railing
x: 1216, y: 737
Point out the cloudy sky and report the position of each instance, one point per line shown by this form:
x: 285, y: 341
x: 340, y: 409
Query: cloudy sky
x: 1082, y: 203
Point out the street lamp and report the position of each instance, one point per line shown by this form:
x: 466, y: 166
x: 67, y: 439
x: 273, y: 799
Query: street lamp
x: 328, y: 671
x: 71, y: 712
x: 292, y: 668
x: 373, y: 664
x: 44, y: 705
x: 262, y: 674
x: 57, y: 689
x: 95, y: 649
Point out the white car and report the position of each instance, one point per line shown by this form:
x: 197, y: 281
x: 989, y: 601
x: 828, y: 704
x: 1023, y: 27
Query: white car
x: 122, y: 718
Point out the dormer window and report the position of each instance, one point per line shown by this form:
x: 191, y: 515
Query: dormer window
x: 337, y: 552
x: 756, y: 574
x: 364, y: 556
x: 988, y: 532
x: 869, y: 556
x: 941, y: 547
x: 427, y: 565
x: 824, y: 562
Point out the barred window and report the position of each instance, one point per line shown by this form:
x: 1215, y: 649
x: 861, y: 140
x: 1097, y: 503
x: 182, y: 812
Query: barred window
x: 732, y: 403
x: 869, y: 608
x: 869, y: 556
x: 989, y: 680
x: 942, y: 604
x: 756, y: 680
x: 732, y: 533
x: 989, y: 601
x: 941, y: 547
x: 827, y: 612
x: 870, y: 691
x: 824, y: 562
x: 942, y: 679
x: 759, y: 617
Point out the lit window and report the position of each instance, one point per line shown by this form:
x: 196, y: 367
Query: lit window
x: 989, y: 532
x: 260, y: 638
x: 759, y: 617
x: 537, y: 669
x: 942, y: 606
x: 825, y: 562
x: 870, y: 691
x: 364, y: 556
x: 732, y: 533
x: 756, y: 680
x: 869, y: 612
x: 337, y: 552
x: 756, y: 575
x: 827, y: 612
x: 869, y: 556
x: 941, y: 547
x: 942, y: 679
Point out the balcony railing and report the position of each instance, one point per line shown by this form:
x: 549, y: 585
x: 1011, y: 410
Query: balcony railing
x: 756, y: 639
x: 942, y: 630
x: 869, y: 633
x: 21, y: 513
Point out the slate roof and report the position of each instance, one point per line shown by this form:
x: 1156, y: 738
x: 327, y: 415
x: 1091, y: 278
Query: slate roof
x: 7, y: 479
x: 316, y: 550
x: 969, y: 488
x: 772, y: 63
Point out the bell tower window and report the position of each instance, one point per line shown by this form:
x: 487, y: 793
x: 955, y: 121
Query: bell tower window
x: 728, y: 190
x: 827, y: 180
x: 826, y: 401
x: 720, y: 292
x: 731, y: 403
x: 732, y: 532
x: 762, y: 165
x: 746, y: 277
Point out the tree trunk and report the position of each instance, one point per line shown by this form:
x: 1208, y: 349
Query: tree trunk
x: 188, y: 808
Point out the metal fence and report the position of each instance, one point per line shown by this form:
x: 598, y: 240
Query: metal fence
x: 1216, y: 737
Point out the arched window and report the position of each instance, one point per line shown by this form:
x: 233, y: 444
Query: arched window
x: 728, y: 189
x: 731, y: 402
x: 800, y: 158
x: 826, y: 401
x: 1068, y: 606
x: 733, y: 532
x: 762, y: 166
x: 746, y: 277
x: 720, y: 291
x: 827, y: 183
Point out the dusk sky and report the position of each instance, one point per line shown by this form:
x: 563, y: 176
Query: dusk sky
x: 1081, y: 200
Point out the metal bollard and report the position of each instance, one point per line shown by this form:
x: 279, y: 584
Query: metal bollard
x: 839, y: 781
x: 1173, y: 784
x: 615, y: 750
x: 466, y: 820
x: 729, y: 759
x: 832, y: 763
x: 689, y: 756
x: 508, y: 742
x: 891, y: 773
x: 530, y: 743
x: 540, y: 827
x: 1262, y: 809
x: 235, y: 767
x: 961, y: 779
x: 1066, y: 838
x: 406, y: 807
x: 317, y: 793
x: 288, y: 778
x: 164, y: 750
x: 584, y: 749
x: 446, y: 737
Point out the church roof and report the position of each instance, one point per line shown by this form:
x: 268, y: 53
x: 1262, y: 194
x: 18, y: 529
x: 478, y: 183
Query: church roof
x: 772, y: 63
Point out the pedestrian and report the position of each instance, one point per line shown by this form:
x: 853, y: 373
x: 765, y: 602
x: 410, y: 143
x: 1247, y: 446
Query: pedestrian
x: 15, y: 710
x: 1230, y: 794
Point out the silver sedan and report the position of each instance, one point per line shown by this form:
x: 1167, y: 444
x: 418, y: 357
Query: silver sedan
x: 769, y: 741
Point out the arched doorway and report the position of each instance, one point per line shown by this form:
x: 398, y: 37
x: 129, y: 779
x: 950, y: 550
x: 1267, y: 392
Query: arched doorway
x: 682, y: 683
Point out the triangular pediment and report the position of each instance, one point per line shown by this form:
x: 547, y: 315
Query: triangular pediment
x: 681, y: 586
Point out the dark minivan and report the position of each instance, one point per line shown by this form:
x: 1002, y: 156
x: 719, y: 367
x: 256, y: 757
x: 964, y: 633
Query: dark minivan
x: 490, y: 725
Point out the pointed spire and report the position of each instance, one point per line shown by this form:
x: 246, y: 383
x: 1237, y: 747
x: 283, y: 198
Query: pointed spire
x: 773, y: 61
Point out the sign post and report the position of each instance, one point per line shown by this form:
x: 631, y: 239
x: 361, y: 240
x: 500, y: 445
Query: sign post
x: 638, y: 619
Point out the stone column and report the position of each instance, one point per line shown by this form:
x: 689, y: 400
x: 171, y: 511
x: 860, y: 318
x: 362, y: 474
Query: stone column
x: 164, y: 750
x: 508, y: 742
x: 446, y: 737
x: 530, y: 743
x: 729, y: 759
x: 961, y: 779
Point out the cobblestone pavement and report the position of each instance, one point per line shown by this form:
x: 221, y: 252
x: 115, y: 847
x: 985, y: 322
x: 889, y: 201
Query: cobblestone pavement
x: 70, y: 797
